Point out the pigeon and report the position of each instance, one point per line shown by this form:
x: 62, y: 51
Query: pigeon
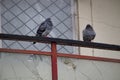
x: 88, y: 33
x: 44, y: 28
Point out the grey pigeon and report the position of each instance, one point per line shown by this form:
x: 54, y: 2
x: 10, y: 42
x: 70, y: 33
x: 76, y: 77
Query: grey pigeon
x: 44, y: 28
x: 88, y: 33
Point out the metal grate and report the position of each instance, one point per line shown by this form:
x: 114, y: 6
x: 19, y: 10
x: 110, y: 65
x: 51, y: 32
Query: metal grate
x: 24, y: 16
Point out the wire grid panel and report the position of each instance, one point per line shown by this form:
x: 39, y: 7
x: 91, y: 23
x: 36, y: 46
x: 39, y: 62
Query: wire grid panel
x: 24, y: 16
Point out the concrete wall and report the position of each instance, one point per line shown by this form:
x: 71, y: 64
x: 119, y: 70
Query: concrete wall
x: 105, y: 18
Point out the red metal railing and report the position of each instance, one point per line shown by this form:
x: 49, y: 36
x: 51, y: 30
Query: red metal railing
x: 54, y: 54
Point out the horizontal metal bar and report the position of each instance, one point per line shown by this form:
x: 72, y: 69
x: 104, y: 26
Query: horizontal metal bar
x: 24, y: 51
x: 16, y: 51
x: 60, y: 41
x: 89, y: 57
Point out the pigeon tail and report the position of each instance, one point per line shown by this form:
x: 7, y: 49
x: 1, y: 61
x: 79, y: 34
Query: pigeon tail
x: 34, y: 42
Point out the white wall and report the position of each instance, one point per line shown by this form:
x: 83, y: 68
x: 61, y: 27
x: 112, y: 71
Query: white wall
x: 106, y: 22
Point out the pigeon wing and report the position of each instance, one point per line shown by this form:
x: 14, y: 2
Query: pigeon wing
x: 49, y: 26
x: 86, y: 36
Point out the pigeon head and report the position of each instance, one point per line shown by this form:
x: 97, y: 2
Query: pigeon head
x: 89, y: 26
x: 48, y: 19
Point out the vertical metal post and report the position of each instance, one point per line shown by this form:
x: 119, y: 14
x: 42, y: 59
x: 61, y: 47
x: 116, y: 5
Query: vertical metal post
x: 54, y: 61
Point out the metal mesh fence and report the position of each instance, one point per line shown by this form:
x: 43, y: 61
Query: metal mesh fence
x: 24, y: 16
